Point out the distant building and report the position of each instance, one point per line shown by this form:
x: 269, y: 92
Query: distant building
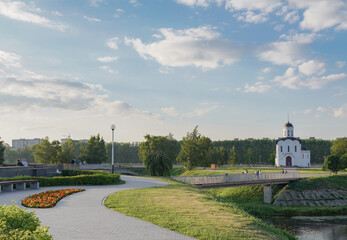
x: 65, y: 139
x: 18, y: 144
x: 289, y: 151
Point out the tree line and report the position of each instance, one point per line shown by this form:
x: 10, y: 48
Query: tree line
x: 96, y: 150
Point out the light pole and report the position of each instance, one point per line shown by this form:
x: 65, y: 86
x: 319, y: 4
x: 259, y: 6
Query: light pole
x: 113, y: 127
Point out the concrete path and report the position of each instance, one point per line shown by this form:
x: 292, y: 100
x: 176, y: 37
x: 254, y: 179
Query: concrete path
x: 83, y: 216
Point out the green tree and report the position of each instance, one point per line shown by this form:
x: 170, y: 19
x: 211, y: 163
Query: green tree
x: 11, y: 155
x: 232, y: 156
x: 272, y: 158
x: 2, y: 154
x: 194, y: 149
x: 158, y: 164
x: 333, y: 164
x: 166, y: 145
x: 249, y: 156
x: 343, y: 161
x: 47, y: 152
x: 339, y: 146
x: 68, y: 151
x: 95, y: 151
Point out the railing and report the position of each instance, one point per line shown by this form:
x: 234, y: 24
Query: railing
x: 234, y: 178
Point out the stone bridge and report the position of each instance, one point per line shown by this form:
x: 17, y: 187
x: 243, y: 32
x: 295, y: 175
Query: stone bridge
x: 237, y: 180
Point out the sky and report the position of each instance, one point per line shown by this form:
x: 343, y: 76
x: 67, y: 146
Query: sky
x: 235, y: 68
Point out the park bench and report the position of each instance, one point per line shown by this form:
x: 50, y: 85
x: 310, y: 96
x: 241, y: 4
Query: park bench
x: 20, y: 185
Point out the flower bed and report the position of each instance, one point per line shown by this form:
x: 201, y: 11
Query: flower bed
x: 48, y: 199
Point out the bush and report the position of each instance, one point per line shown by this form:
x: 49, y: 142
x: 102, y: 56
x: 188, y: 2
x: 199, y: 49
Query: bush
x: 158, y: 164
x: 16, y: 223
x: 96, y: 179
x: 73, y: 172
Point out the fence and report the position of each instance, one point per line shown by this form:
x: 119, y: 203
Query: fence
x: 206, y: 179
x: 35, y: 171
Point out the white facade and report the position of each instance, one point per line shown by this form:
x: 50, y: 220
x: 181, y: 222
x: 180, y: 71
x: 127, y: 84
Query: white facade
x: 289, y: 151
x: 22, y: 143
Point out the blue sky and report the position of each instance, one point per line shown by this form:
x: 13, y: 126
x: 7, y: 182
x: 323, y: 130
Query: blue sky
x: 236, y: 68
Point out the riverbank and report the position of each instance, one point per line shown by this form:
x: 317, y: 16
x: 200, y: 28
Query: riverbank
x: 192, y: 212
x: 251, y: 198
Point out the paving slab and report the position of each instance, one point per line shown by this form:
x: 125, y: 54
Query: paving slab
x: 83, y: 216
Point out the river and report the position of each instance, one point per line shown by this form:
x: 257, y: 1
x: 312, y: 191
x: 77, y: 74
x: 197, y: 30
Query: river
x: 313, y: 228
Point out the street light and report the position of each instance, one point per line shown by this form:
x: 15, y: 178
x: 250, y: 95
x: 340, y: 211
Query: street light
x: 113, y: 127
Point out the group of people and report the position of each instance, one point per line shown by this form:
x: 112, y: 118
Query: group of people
x: 22, y: 162
x: 284, y: 171
x: 257, y: 172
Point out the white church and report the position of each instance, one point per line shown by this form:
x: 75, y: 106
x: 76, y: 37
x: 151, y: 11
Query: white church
x: 289, y: 151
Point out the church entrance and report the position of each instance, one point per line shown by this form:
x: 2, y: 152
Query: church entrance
x: 288, y: 161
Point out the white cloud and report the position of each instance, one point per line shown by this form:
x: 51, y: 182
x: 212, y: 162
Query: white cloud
x: 135, y: 3
x: 258, y: 87
x: 292, y: 80
x: 20, y: 11
x: 279, y: 27
x: 9, y: 60
x: 341, y: 112
x: 252, y: 11
x: 56, y: 13
x: 95, y: 3
x: 289, y: 52
x: 266, y: 70
x: 321, y: 14
x: 91, y: 19
x: 108, y: 69
x: 170, y: 111
x: 107, y: 59
x: 322, y: 109
x: 192, y: 3
x: 312, y: 67
x: 340, y: 64
x: 112, y: 43
x: 201, y: 47
x: 199, y: 112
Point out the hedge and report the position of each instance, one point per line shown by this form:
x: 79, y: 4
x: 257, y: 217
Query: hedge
x: 96, y: 179
x: 73, y: 172
x: 19, y: 224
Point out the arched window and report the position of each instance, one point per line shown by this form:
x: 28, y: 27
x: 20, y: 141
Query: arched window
x: 281, y: 149
x: 288, y: 149
x: 292, y: 133
x: 288, y: 133
x: 295, y: 148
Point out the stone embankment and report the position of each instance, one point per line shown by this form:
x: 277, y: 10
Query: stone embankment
x: 313, y: 198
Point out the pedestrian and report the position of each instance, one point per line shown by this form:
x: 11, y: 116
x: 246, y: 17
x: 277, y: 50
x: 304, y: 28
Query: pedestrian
x: 259, y: 172
x: 19, y: 163
x: 24, y: 162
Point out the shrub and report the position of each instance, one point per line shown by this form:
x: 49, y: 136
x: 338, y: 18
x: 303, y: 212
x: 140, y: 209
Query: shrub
x: 96, y: 179
x: 16, y: 223
x: 73, y: 172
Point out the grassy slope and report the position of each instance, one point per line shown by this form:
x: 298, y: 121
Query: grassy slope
x: 192, y: 212
x: 251, y: 198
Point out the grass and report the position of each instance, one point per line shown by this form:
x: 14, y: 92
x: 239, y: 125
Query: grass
x: 192, y: 212
x: 321, y: 182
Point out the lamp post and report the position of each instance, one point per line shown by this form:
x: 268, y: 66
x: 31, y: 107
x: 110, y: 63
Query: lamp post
x: 113, y: 127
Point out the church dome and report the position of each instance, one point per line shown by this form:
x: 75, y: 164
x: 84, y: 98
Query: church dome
x: 288, y: 124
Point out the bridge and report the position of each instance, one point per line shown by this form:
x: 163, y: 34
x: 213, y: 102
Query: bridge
x: 237, y: 180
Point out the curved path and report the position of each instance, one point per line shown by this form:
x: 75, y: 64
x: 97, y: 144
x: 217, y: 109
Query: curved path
x: 83, y: 216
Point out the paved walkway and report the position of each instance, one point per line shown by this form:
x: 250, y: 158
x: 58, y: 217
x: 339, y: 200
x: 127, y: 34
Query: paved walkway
x: 83, y: 216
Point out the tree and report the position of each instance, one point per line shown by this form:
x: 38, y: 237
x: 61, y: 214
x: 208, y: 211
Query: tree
x: 232, y: 156
x: 339, y: 146
x: 2, y: 150
x: 194, y: 149
x: 272, y: 158
x: 249, y: 156
x: 95, y: 151
x: 47, y: 152
x: 333, y: 164
x: 166, y: 145
x: 68, y: 151
x: 158, y: 164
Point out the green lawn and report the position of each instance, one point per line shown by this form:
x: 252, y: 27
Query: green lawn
x: 192, y: 212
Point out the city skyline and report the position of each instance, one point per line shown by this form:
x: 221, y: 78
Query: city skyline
x: 234, y: 68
